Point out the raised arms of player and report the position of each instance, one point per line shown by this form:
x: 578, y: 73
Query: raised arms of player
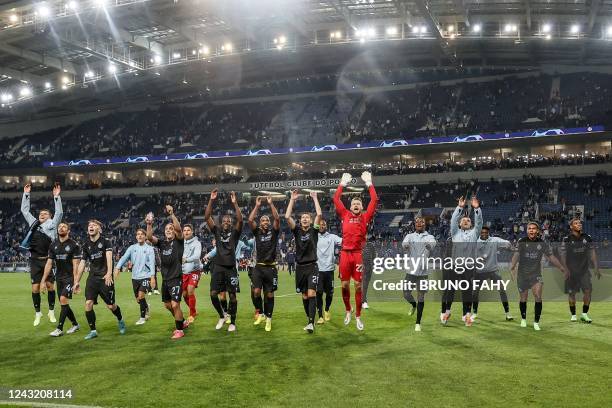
x: 275, y: 215
x: 318, y: 211
x: 208, y: 212
x: 149, y: 221
x: 175, y: 222
x: 253, y: 214
x: 454, y: 224
x: 477, y: 218
x: 288, y: 217
x: 239, y: 217
x: 340, y: 208
x: 59, y: 210
x: 367, y: 179
x: 25, y: 204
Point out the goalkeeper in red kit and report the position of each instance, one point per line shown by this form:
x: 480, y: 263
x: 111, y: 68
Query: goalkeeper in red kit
x: 354, y: 228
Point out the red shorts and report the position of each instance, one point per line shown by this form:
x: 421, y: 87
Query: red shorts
x: 351, y: 265
x: 191, y: 279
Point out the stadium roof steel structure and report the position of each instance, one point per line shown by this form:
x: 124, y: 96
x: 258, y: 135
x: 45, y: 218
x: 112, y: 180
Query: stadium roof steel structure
x: 59, y: 56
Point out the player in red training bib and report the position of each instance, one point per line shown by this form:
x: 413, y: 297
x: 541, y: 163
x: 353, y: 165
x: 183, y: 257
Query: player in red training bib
x: 354, y: 228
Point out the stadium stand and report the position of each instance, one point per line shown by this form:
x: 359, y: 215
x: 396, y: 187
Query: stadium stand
x: 413, y: 110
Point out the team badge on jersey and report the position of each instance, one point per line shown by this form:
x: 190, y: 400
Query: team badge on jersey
x: 100, y: 245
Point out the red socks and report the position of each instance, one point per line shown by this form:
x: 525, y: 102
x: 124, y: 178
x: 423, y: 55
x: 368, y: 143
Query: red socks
x: 191, y: 302
x: 358, y: 300
x: 346, y: 298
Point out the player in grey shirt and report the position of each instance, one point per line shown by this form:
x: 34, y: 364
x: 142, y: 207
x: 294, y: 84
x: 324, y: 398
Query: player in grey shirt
x: 418, y: 246
x: 42, y: 231
x: 487, y: 248
x: 464, y: 238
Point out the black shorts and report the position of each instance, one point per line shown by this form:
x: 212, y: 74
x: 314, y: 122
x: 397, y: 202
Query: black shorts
x: 224, y: 279
x: 306, y: 277
x: 526, y: 282
x: 578, y: 282
x: 326, y: 282
x: 415, y: 281
x: 265, y: 277
x: 97, y: 287
x: 64, y: 288
x: 37, y: 270
x: 141, y: 285
x: 171, y: 290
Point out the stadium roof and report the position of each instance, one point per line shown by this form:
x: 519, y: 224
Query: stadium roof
x: 63, y: 56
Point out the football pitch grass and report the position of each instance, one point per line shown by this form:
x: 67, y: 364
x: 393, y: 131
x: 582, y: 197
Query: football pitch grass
x: 494, y: 363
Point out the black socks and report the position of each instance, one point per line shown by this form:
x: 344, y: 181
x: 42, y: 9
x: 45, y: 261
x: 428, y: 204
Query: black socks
x: 420, y: 307
x: 143, y: 308
x: 117, y: 313
x: 269, y: 306
x: 523, y: 309
x: 312, y: 309
x: 51, y: 299
x: 36, y: 301
x: 63, y: 315
x: 91, y: 319
x: 258, y: 303
x: 179, y: 324
x: 538, y: 311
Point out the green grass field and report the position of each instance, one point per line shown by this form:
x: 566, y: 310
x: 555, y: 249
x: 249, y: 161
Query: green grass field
x: 494, y: 363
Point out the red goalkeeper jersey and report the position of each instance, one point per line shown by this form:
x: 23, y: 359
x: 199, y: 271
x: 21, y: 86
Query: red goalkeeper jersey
x: 354, y: 227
